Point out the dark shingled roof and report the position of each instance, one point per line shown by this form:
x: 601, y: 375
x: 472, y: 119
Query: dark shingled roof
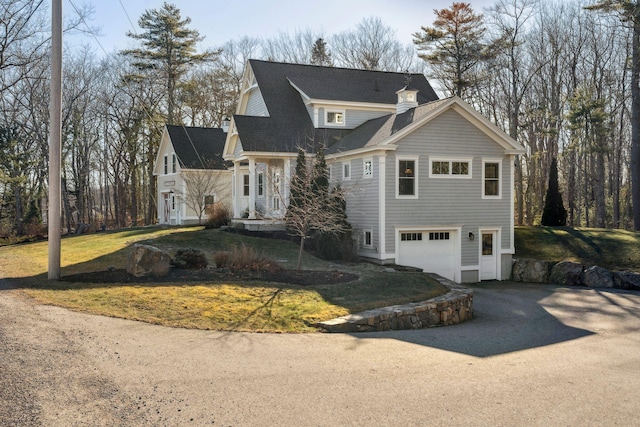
x: 376, y: 131
x: 198, y: 148
x: 289, y: 125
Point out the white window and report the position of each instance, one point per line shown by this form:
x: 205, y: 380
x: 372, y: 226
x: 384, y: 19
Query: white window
x: 245, y: 185
x: 407, y: 178
x: 173, y: 163
x: 491, y: 179
x: 260, y: 184
x: 346, y: 171
x: 209, y: 200
x: 334, y: 118
x: 367, y: 168
x: 449, y: 168
x: 407, y: 237
x: 166, y: 164
x: 368, y: 239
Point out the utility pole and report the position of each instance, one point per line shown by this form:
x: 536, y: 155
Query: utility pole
x: 55, y: 137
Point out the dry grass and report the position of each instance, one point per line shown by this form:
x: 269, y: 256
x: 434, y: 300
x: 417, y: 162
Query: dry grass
x: 255, y: 306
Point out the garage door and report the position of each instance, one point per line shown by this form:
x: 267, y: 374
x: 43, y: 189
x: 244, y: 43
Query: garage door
x: 433, y: 251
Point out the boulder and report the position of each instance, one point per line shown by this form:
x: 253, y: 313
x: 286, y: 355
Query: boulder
x: 145, y: 260
x: 597, y: 277
x: 531, y: 270
x: 626, y: 280
x: 566, y: 273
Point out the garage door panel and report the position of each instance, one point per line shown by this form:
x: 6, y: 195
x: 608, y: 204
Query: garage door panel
x: 433, y: 251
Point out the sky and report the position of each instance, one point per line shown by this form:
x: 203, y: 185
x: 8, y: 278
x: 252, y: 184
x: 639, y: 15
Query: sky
x: 221, y: 21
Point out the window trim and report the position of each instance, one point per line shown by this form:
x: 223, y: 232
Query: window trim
x: 346, y: 171
x: 499, y: 163
x: 328, y: 111
x: 451, y: 161
x: 416, y: 175
x: 364, y: 168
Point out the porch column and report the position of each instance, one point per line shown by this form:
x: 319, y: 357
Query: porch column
x: 252, y: 189
x: 287, y: 181
x: 234, y: 191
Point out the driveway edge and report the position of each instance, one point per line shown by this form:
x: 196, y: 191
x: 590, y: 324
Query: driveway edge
x: 452, y: 308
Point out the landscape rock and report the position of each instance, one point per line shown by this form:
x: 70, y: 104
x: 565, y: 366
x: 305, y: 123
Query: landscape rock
x: 597, y: 277
x: 627, y: 280
x: 531, y: 270
x: 566, y: 273
x: 145, y: 260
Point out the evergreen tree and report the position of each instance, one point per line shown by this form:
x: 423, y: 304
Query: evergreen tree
x: 554, y: 214
x: 454, y: 46
x: 320, y: 55
x: 169, y: 47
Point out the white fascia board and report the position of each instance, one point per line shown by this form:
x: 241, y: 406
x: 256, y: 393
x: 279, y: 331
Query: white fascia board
x: 164, y: 140
x: 227, y: 151
x: 360, y: 151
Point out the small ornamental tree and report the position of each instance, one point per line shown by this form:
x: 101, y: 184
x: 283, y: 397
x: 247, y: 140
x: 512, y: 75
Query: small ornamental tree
x: 310, y: 209
x: 554, y: 214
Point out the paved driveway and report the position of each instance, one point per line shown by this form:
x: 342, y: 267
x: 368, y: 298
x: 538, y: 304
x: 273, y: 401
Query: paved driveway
x: 533, y: 355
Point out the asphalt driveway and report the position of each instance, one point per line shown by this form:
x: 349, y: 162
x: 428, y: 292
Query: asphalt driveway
x: 533, y: 355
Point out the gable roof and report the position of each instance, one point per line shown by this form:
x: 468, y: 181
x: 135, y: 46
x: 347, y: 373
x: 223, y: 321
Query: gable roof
x: 198, y: 147
x: 387, y: 129
x: 283, y: 86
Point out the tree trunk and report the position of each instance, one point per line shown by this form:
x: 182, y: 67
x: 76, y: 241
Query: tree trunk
x: 299, y: 264
x: 635, y: 123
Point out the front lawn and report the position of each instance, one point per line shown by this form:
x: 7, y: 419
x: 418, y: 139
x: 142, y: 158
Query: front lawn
x: 611, y: 249
x: 237, y: 305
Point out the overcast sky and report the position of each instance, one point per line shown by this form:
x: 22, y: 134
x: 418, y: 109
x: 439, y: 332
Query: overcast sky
x: 220, y: 21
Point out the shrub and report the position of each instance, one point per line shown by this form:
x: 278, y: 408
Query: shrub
x: 190, y: 259
x: 219, y: 215
x: 246, y: 258
x: 221, y: 259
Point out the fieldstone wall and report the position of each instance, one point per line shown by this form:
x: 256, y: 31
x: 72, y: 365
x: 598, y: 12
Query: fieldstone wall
x: 454, y: 307
x: 569, y: 273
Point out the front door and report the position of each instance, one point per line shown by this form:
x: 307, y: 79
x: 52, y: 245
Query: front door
x: 488, y: 257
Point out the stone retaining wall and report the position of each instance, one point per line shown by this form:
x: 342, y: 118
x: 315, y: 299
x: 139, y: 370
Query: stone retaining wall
x: 454, y: 307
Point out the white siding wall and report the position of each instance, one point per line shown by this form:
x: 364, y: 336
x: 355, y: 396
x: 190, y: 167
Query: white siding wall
x: 362, y: 200
x: 255, y: 104
x: 449, y: 201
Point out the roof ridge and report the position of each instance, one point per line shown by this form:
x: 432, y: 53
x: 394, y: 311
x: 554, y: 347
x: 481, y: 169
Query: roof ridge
x: 404, y: 73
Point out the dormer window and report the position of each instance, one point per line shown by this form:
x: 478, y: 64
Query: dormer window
x: 334, y: 118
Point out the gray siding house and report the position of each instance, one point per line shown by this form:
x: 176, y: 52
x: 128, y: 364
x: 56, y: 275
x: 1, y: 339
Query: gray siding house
x: 429, y: 181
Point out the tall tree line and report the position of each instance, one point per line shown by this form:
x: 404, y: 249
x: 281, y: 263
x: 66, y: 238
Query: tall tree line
x: 555, y: 76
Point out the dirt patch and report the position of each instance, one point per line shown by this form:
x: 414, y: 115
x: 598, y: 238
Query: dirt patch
x: 301, y: 278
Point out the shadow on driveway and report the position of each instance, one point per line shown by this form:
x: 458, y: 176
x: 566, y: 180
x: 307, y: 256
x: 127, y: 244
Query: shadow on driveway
x: 508, y: 317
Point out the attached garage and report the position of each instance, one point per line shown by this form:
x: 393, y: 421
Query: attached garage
x: 435, y: 251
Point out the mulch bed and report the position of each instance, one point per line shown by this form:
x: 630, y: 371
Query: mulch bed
x: 301, y: 278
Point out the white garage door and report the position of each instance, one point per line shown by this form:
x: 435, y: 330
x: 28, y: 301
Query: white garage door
x: 433, y: 251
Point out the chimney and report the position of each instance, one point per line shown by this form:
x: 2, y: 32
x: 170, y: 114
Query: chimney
x: 407, y: 99
x: 225, y: 124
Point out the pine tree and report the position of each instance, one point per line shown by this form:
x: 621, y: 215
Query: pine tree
x: 168, y: 46
x: 554, y: 214
x: 320, y: 55
x: 454, y: 46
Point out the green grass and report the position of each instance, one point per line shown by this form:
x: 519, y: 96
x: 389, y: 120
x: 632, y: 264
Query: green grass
x: 254, y: 306
x: 612, y: 249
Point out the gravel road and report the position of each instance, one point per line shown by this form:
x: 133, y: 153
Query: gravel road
x: 534, y: 355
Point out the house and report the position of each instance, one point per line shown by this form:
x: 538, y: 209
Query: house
x: 191, y: 174
x: 429, y: 181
